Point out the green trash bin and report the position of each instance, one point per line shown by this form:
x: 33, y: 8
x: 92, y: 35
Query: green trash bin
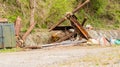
x: 117, y: 41
x: 7, y: 35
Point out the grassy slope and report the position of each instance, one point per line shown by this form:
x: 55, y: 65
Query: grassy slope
x: 100, y: 13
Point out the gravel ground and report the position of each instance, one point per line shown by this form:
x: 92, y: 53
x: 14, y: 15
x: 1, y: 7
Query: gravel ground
x: 72, y: 56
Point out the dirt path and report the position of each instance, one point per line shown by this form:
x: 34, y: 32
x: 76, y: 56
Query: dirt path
x: 63, y: 57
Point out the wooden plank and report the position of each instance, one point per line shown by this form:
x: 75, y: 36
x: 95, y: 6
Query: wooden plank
x: 80, y: 6
x: 58, y: 23
x: 79, y: 27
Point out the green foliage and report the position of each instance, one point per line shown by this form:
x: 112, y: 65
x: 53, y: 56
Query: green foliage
x: 105, y: 13
x: 98, y: 6
x: 49, y: 12
x: 100, y: 13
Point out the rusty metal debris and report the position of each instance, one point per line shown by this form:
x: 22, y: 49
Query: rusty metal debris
x: 78, y: 27
x: 74, y: 24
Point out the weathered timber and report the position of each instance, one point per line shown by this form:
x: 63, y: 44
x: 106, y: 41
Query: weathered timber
x: 17, y: 26
x: 62, y: 20
x: 79, y: 27
x: 80, y: 6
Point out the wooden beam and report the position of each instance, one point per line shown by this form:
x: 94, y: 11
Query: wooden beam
x: 79, y: 27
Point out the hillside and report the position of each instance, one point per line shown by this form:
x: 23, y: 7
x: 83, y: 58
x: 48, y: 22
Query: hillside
x: 100, y: 13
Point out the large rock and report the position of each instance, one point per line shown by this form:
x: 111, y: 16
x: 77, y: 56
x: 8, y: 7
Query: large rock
x: 38, y: 38
x: 43, y: 37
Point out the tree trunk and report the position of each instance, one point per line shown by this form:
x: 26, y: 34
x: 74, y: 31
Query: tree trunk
x: 32, y: 7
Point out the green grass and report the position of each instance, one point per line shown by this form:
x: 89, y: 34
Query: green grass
x: 8, y: 50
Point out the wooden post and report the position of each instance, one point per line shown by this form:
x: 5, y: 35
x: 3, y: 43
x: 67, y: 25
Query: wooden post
x: 85, y: 19
x: 79, y: 29
x: 17, y: 26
